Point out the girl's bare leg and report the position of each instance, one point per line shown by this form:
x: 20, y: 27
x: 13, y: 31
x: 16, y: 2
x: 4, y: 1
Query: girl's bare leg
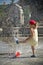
x: 33, y: 51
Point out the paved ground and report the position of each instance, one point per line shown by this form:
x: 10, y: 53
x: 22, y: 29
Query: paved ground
x: 25, y: 58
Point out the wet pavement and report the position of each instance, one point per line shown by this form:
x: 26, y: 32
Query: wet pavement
x: 25, y: 58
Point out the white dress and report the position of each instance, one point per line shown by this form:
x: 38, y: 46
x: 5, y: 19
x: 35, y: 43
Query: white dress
x: 34, y: 40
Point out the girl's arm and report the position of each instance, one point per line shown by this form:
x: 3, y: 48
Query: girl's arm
x: 32, y: 32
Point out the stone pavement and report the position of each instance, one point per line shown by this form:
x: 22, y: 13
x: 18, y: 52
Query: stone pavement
x: 25, y: 58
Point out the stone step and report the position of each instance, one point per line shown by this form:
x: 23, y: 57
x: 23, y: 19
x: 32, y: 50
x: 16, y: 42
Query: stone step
x: 25, y: 31
x: 41, y: 24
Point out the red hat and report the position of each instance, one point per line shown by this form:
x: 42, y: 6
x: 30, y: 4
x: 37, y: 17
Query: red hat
x: 32, y: 22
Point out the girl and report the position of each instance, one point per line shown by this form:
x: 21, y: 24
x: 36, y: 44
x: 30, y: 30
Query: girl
x: 33, y: 38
